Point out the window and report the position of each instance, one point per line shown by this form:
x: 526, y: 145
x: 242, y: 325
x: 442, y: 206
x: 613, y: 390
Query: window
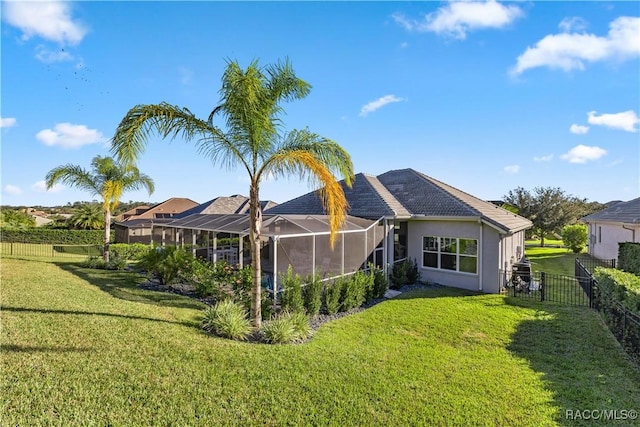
x: 450, y: 253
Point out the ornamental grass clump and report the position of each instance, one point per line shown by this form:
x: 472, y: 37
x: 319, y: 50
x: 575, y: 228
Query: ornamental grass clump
x: 288, y: 327
x: 228, y: 320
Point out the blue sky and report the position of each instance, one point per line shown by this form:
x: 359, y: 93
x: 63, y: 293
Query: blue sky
x: 484, y: 96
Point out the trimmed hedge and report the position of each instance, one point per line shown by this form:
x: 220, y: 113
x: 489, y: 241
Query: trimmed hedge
x: 629, y: 257
x: 619, y: 285
x: 55, y: 236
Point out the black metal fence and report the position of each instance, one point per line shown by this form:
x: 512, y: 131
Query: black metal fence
x: 541, y: 286
x: 623, y: 323
x: 49, y: 250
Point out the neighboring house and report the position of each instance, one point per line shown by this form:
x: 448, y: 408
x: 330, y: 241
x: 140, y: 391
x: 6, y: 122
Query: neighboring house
x: 135, y: 225
x: 457, y: 239
x: 236, y: 204
x: 620, y: 222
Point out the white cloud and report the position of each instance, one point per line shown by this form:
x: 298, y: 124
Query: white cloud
x: 578, y: 129
x: 379, y: 103
x: 511, y: 169
x: 583, y: 154
x: 457, y: 18
x: 569, y: 51
x: 48, y: 56
x: 68, y: 135
x: 12, y: 189
x: 49, y: 20
x: 7, y: 122
x: 41, y: 187
x: 546, y: 158
x: 574, y: 23
x: 626, y: 120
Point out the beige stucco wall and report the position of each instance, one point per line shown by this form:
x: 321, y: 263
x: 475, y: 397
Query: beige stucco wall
x: 497, y: 251
x: 604, y: 238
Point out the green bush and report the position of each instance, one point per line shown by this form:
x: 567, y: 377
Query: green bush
x: 128, y: 251
x: 288, y: 327
x: 312, y: 294
x: 405, y: 273
x: 55, y: 236
x: 629, y: 257
x: 332, y: 295
x: 380, y: 282
x: 227, y: 319
x: 354, y: 290
x: 292, y: 299
x: 166, y: 263
x: 98, y: 262
x: 619, y: 286
x: 575, y: 237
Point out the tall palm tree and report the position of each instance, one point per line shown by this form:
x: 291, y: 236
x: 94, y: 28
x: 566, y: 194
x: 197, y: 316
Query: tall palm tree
x: 108, y: 179
x: 250, y: 106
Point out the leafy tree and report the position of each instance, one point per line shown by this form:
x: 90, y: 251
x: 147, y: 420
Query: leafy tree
x: 13, y: 218
x: 108, y: 179
x: 251, y: 138
x: 548, y: 208
x: 88, y: 217
x: 575, y: 237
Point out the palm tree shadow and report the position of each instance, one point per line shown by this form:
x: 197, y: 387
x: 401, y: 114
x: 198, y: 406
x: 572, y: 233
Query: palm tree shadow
x: 125, y: 285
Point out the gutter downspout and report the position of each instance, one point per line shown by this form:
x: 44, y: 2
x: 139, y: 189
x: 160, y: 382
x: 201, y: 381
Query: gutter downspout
x: 480, y: 257
x: 633, y: 233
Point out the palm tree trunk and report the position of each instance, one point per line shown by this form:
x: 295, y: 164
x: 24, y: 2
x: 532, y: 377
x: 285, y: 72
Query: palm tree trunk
x: 255, y: 221
x: 107, y: 234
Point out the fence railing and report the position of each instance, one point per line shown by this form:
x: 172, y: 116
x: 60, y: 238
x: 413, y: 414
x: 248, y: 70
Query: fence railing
x: 623, y: 323
x: 47, y: 250
x: 541, y: 286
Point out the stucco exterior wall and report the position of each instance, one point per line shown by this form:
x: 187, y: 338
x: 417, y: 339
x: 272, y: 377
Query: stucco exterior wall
x: 604, y: 238
x: 496, y: 252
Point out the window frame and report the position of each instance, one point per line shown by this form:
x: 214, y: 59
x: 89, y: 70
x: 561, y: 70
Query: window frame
x: 442, y: 243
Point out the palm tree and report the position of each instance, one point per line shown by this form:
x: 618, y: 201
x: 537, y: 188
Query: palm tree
x: 108, y: 179
x: 89, y: 216
x: 251, y: 138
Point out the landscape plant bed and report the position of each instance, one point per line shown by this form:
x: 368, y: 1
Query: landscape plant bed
x: 90, y: 347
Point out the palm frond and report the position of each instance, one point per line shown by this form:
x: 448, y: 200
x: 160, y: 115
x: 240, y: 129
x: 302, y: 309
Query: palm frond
x: 167, y: 120
x: 72, y: 176
x: 317, y: 166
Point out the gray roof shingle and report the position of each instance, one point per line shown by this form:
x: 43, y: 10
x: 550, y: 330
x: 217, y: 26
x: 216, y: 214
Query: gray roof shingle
x: 407, y: 193
x: 236, y: 204
x: 626, y: 212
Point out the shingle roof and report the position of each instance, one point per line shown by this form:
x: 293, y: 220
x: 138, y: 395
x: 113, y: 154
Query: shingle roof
x: 407, y: 193
x: 627, y: 212
x: 236, y: 204
x: 367, y: 198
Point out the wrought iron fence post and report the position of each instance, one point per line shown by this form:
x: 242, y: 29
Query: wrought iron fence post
x: 543, y: 280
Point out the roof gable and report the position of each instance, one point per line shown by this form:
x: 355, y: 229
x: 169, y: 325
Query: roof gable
x: 168, y: 208
x: 236, y: 204
x: 626, y: 212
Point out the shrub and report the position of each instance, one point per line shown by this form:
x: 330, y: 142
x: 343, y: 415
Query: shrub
x: 227, y: 319
x: 55, y: 236
x: 620, y: 286
x: 99, y: 263
x: 354, y: 290
x: 629, y: 257
x: 380, y: 282
x: 331, y: 296
x: 292, y: 291
x: 405, y: 272
x: 288, y: 327
x: 166, y: 263
x: 129, y: 251
x: 312, y: 294
x: 575, y: 237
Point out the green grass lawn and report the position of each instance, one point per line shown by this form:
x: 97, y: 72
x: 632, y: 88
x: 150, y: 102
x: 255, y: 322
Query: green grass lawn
x: 88, y: 347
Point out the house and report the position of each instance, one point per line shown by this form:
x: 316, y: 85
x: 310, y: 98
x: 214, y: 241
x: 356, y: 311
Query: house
x: 620, y: 222
x: 457, y: 239
x: 135, y: 225
x: 236, y: 204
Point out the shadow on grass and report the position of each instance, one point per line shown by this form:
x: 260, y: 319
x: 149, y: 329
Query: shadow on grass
x: 11, y: 348
x: 578, y: 358
x: 125, y: 285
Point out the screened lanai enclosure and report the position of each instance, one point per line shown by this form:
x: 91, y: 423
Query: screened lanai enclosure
x: 299, y: 241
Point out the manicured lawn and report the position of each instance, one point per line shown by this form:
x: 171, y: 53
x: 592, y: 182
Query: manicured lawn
x: 547, y: 242
x: 85, y: 347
